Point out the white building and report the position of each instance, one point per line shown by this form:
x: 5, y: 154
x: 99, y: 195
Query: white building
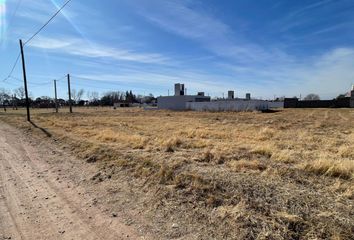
x: 179, y: 100
x: 200, y: 102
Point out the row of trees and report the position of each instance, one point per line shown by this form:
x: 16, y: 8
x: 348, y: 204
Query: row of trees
x: 16, y: 98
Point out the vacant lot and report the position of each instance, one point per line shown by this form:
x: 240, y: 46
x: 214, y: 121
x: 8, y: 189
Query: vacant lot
x: 283, y: 175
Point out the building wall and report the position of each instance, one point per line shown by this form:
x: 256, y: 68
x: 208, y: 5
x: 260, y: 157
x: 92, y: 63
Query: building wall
x: 237, y: 105
x: 275, y: 104
x: 178, y: 102
x: 335, y: 103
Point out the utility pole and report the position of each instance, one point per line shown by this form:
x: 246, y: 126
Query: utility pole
x: 13, y: 102
x: 56, y: 96
x: 25, y: 81
x: 69, y: 91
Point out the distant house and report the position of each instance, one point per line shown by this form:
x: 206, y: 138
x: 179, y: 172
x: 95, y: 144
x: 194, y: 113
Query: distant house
x: 122, y: 105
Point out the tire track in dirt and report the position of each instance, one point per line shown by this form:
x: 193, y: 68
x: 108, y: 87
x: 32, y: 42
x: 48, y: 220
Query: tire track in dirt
x: 34, y: 204
x: 45, y: 210
x: 8, y: 225
x: 342, y: 117
x: 326, y: 115
x: 310, y: 114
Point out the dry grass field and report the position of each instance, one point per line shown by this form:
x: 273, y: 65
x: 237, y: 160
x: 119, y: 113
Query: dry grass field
x: 282, y: 175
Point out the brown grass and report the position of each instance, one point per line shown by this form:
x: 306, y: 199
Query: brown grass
x: 287, y: 175
x: 334, y: 168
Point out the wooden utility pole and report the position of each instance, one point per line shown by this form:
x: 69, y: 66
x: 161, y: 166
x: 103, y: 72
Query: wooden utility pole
x: 69, y: 91
x: 25, y: 81
x: 56, y: 97
x: 14, y: 100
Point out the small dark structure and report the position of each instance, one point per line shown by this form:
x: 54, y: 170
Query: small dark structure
x: 335, y: 103
x: 342, y: 102
x: 122, y: 105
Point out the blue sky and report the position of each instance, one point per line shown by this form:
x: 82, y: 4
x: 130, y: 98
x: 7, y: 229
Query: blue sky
x: 280, y: 47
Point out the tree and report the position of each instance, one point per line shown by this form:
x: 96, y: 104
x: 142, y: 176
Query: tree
x: 130, y: 97
x: 4, y: 95
x: 148, y: 99
x: 20, y: 92
x: 341, y: 96
x: 280, y: 99
x: 311, y: 97
x: 109, y: 98
x: 4, y: 98
x: 77, y: 95
x: 93, y: 96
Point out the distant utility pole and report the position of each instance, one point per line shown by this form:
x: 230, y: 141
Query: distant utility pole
x: 13, y: 102
x: 25, y: 81
x: 56, y: 96
x: 69, y: 91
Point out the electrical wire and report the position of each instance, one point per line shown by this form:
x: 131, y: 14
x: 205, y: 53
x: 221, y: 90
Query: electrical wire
x: 29, y: 83
x: 35, y: 34
x: 15, y: 78
x: 91, y: 86
x: 39, y: 30
x: 58, y: 80
x: 12, y: 69
x: 94, y: 80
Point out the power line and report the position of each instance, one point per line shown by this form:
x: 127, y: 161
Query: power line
x: 96, y: 80
x: 65, y: 76
x: 12, y: 69
x: 17, y: 79
x: 36, y: 33
x: 13, y: 84
x: 91, y: 86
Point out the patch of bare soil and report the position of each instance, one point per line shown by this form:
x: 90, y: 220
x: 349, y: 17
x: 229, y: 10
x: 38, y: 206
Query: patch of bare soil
x: 44, y: 194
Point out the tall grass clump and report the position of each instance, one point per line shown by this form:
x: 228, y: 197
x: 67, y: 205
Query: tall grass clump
x: 331, y: 167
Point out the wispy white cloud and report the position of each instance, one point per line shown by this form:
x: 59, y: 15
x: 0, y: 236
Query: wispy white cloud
x: 301, y: 16
x: 234, y: 60
x: 309, y: 7
x: 180, y: 18
x: 77, y: 46
x: 37, y: 11
x: 328, y: 74
x: 163, y: 80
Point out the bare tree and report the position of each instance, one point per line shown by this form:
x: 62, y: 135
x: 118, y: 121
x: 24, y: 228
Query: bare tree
x: 20, y: 92
x: 312, y: 96
x: 93, y: 96
x: 4, y: 95
x: 77, y: 95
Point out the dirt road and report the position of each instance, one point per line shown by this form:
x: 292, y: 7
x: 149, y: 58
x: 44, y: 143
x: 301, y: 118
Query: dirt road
x: 40, y: 197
